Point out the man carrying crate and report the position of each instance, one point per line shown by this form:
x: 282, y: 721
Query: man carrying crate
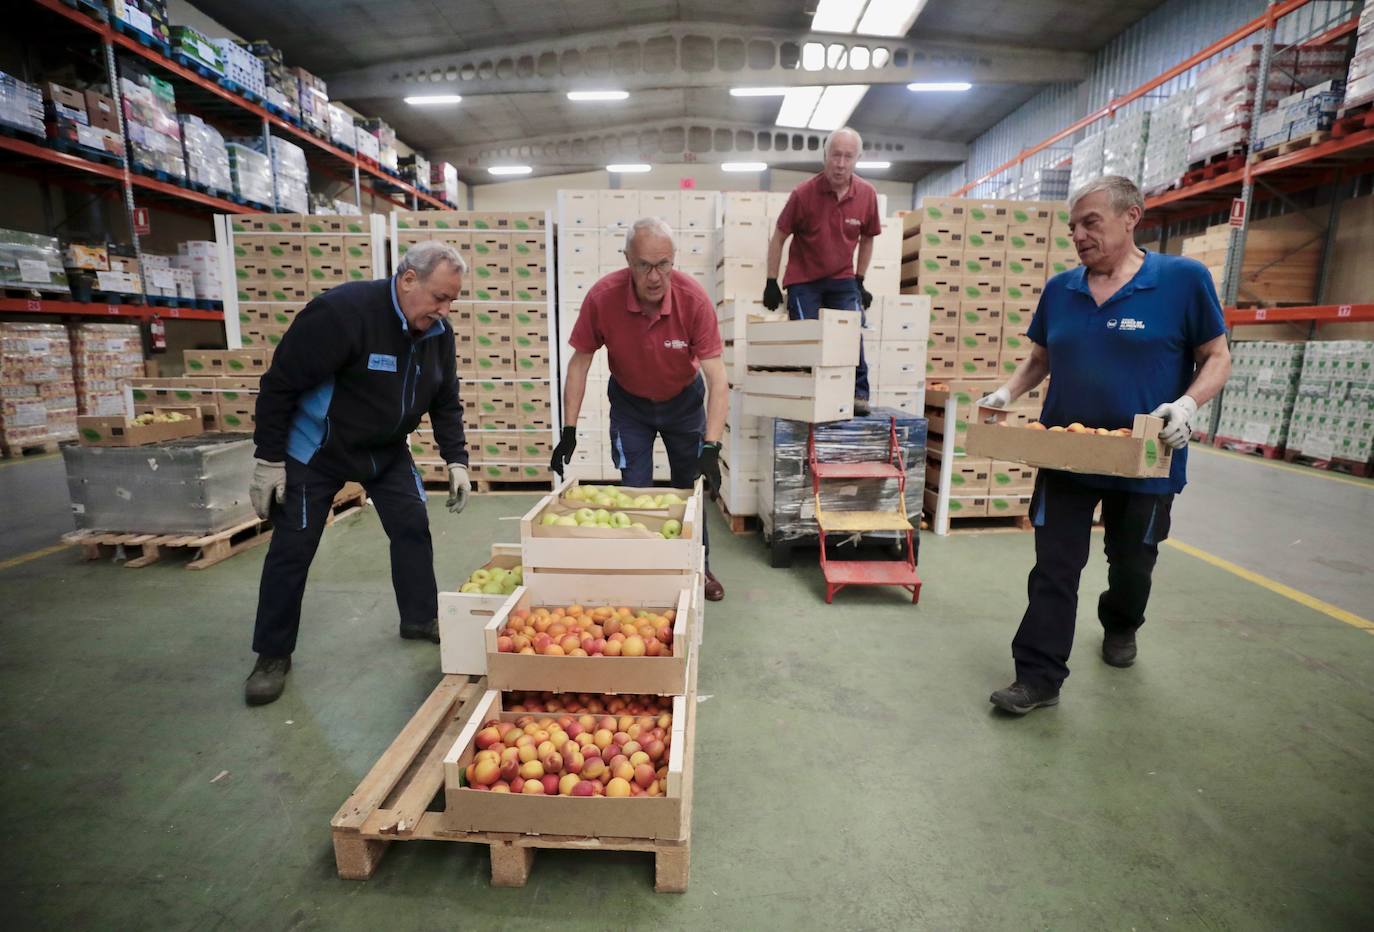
x: 661, y: 337
x: 827, y: 216
x: 353, y: 375
x: 1127, y: 332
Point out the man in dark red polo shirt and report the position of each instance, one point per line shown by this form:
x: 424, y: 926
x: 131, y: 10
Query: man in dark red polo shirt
x: 661, y: 337
x: 827, y: 216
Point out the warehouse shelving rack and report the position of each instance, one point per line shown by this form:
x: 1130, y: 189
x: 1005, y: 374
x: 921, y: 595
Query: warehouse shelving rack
x: 1241, y: 182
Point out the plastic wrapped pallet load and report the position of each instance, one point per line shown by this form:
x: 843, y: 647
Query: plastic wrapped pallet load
x: 194, y: 486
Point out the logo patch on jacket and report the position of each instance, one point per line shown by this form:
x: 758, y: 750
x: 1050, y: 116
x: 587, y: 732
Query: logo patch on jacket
x: 381, y: 362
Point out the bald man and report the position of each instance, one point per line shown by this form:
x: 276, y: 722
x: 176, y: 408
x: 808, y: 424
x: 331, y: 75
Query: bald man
x: 827, y: 216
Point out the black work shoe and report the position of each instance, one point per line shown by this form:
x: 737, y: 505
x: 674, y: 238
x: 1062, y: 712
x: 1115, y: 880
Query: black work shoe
x: 429, y: 632
x: 266, y: 682
x: 1118, y: 648
x: 1018, y: 698
x: 714, y: 590
x: 861, y: 407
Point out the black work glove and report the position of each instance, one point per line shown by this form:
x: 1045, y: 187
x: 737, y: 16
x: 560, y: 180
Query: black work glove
x: 562, y: 454
x: 864, y: 293
x: 772, y: 295
x: 708, y: 467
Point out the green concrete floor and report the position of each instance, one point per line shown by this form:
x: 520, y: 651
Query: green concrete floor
x: 850, y: 773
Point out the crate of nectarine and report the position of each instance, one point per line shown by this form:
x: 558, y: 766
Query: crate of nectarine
x: 569, y: 773
x: 590, y: 633
x: 1134, y: 452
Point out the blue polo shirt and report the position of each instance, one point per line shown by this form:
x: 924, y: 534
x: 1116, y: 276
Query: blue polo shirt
x: 1129, y: 356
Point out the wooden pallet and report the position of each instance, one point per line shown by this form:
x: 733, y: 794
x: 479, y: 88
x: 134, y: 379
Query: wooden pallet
x: 206, y: 549
x: 1236, y: 445
x: 393, y: 802
x: 738, y: 524
x: 29, y: 449
x: 1334, y: 464
x: 985, y: 523
x: 1291, y: 146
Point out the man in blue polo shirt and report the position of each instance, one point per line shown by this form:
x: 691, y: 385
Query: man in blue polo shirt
x: 1128, y: 332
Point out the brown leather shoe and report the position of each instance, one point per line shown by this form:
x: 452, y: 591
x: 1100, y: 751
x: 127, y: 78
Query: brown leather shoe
x: 714, y: 590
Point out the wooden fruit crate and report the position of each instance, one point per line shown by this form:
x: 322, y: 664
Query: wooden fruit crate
x: 392, y: 802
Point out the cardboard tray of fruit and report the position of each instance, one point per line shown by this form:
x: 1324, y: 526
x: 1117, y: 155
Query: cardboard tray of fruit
x: 157, y: 425
x: 567, y: 783
x: 1132, y: 453
x: 569, y: 632
x: 554, y: 534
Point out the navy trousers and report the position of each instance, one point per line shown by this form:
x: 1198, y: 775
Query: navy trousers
x: 297, y: 523
x: 805, y: 300
x: 1062, y: 514
x: 680, y: 420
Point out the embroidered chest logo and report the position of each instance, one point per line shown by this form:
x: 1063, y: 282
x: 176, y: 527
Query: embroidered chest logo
x: 1130, y: 323
x: 675, y: 344
x: 852, y: 221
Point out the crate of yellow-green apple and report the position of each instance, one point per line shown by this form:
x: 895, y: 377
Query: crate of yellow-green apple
x: 465, y: 610
x: 586, y: 632
x: 610, y: 527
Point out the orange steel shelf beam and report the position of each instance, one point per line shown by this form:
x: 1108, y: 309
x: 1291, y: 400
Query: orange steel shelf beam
x: 1319, y: 313
x: 78, y: 308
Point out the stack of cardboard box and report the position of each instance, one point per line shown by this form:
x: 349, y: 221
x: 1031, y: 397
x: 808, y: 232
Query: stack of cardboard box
x: 1333, y: 418
x: 592, y: 229
x: 1359, y: 88
x: 105, y: 358
x: 37, y: 391
x: 503, y: 329
x: 86, y: 118
x: 1279, y: 266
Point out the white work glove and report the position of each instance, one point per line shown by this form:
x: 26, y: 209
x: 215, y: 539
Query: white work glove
x: 269, y: 481
x: 1178, y: 421
x: 458, y: 488
x: 998, y: 399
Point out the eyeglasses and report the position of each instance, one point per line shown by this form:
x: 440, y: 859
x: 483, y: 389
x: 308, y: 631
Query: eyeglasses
x: 644, y: 268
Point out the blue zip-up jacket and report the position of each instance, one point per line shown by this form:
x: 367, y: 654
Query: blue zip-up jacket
x: 350, y: 380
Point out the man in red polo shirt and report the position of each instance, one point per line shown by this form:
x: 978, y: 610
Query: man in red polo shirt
x: 827, y: 216
x: 661, y: 337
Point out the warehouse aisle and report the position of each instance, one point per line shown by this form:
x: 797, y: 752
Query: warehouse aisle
x: 1306, y: 529
x: 849, y: 770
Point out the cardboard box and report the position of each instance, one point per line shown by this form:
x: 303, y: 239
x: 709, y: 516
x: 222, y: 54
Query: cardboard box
x: 984, y: 263
x: 1027, y: 239
x: 982, y: 289
x: 1140, y: 456
x: 471, y: 810
x: 1018, y: 290
x: 939, y: 236
x: 969, y: 475
x: 617, y: 208
x: 949, y: 212
x: 982, y: 315
x: 1008, y: 478
x: 1016, y: 315
x: 973, y: 339
x: 830, y: 340
x: 816, y: 396
x: 1007, y: 505
x: 939, y: 285
x: 941, y: 364
x: 700, y: 210
x: 94, y: 431
x: 739, y: 205
x: 743, y: 238
x: 985, y: 238
x: 943, y: 337
x: 969, y: 506
x: 100, y: 111
x: 1062, y: 261
x: 740, y: 279
x: 904, y: 317
x: 976, y: 363
x: 1026, y: 265
x: 532, y: 361
x: 227, y: 362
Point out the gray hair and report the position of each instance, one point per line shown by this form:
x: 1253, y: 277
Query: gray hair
x: 426, y: 257
x: 655, y: 225
x: 1122, y: 193
x: 825, y: 149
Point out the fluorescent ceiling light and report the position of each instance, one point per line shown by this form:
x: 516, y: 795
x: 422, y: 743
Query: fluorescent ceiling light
x: 797, y: 106
x: 757, y: 91
x: 743, y: 166
x: 836, y: 16
x: 939, y: 86
x: 872, y: 166
x: 629, y: 168
x: 598, y: 95
x: 426, y: 100
x: 510, y: 169
x: 836, y: 104
x: 889, y: 17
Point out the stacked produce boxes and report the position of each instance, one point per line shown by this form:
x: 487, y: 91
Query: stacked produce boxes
x: 150, y: 121
x: 1124, y: 141
x: 1257, y: 404
x: 21, y: 105
x: 503, y: 325
x: 32, y: 261
x: 105, y: 360
x: 1166, y: 149
x: 37, y: 391
x: 1333, y: 414
x: 1359, y: 88
x: 207, y: 160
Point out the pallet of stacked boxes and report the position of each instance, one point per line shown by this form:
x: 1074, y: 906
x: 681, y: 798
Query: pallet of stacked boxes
x: 503, y: 326
x: 1333, y: 419
x: 37, y: 394
x: 592, y: 226
x: 1257, y: 405
x: 1279, y: 266
x: 1359, y: 89
x: 105, y: 358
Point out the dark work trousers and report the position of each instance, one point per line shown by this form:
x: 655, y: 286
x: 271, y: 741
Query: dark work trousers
x: 805, y: 300
x: 297, y: 523
x: 681, y: 421
x: 1062, y: 513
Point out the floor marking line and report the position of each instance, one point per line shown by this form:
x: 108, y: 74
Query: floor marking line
x: 20, y: 460
x: 32, y: 555
x: 1288, y: 592
x: 1286, y: 467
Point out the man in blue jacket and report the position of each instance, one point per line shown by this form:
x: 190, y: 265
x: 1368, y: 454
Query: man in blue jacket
x: 1128, y: 332
x: 353, y: 375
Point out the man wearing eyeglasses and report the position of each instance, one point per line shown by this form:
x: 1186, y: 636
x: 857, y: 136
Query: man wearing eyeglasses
x: 663, y: 346
x: 828, y: 216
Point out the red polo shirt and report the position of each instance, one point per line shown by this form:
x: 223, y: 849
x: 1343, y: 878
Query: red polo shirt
x: 651, y: 357
x: 825, y: 229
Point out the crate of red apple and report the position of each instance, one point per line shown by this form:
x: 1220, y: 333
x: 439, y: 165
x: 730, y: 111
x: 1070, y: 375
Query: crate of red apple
x: 1134, y: 452
x: 551, y: 773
